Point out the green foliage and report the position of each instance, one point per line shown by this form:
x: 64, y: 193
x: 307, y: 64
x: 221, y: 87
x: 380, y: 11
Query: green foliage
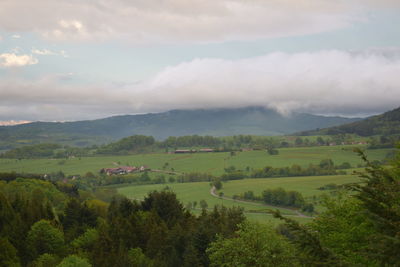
x: 165, y: 204
x: 217, y: 184
x: 138, y: 259
x: 325, y: 167
x: 8, y: 255
x: 380, y: 199
x: 194, y: 177
x: 138, y: 143
x: 77, y: 218
x: 203, y: 204
x: 281, y: 197
x: 221, y: 122
x: 44, y: 238
x: 387, y: 123
x: 360, y: 229
x: 46, y: 260
x: 252, y: 245
x: 310, y: 251
x: 344, y: 230
x: 74, y: 261
x: 85, y: 241
x: 33, y: 151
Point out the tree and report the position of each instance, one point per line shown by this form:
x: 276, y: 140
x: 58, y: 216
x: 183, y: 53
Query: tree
x: 46, y: 260
x: 78, y: 217
x: 326, y: 164
x: 44, y: 238
x: 8, y: 255
x: 217, y: 184
x: 165, y: 204
x: 253, y: 245
x: 298, y: 141
x: 362, y: 228
x: 320, y: 141
x: 138, y: 259
x: 74, y: 261
x: 203, y: 204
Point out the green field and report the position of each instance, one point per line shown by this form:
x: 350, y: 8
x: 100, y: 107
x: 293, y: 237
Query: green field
x: 307, y: 186
x: 213, y: 163
x: 190, y: 192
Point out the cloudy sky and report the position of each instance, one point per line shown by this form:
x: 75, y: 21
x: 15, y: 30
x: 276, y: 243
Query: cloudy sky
x: 73, y: 59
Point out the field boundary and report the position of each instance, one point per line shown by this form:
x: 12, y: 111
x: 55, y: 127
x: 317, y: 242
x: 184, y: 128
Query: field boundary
x: 299, y: 214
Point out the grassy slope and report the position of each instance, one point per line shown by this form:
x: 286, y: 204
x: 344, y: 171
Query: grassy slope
x: 190, y: 192
x: 213, y: 163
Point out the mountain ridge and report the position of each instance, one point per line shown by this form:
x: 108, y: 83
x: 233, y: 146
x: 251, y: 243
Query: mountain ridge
x: 387, y: 123
x: 216, y: 122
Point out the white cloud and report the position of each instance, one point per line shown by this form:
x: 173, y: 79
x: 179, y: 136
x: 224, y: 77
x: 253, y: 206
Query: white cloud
x: 181, y: 20
x: 14, y: 60
x: 46, y: 52
x: 321, y: 82
x: 43, y: 52
x: 16, y: 36
x: 324, y: 82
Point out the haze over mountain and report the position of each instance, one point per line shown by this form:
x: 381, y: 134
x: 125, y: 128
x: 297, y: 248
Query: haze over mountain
x: 216, y: 122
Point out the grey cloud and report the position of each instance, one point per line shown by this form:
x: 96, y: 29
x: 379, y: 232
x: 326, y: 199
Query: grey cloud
x: 170, y: 21
x: 324, y: 82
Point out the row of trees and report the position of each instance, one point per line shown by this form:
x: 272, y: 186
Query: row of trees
x: 143, y: 144
x: 325, y: 167
x: 279, y: 197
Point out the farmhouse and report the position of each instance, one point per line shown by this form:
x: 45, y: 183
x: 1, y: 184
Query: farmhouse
x: 124, y: 170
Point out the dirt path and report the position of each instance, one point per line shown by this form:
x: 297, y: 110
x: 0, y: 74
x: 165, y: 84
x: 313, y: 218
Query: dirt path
x: 299, y: 214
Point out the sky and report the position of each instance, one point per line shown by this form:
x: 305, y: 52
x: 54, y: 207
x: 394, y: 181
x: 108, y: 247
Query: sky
x: 63, y: 60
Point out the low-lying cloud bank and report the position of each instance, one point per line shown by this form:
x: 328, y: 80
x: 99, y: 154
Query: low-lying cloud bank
x: 324, y: 82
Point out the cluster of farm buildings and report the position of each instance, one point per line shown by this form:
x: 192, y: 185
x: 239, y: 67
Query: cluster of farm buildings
x: 180, y: 151
x: 124, y: 170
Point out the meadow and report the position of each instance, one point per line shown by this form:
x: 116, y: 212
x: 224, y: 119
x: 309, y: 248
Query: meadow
x: 195, y: 192
x: 213, y: 163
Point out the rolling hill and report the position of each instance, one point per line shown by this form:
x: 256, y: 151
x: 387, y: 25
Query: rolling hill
x: 216, y: 122
x: 387, y: 123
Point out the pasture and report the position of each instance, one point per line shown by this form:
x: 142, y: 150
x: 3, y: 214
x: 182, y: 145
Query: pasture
x: 191, y: 192
x: 213, y: 163
x: 307, y: 186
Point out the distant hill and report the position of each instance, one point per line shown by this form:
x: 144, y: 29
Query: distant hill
x: 387, y: 123
x: 216, y: 122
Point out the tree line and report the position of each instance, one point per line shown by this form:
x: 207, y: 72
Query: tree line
x: 279, y: 197
x: 145, y: 144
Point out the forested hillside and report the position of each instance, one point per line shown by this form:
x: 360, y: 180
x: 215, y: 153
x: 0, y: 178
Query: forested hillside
x: 387, y: 123
x: 215, y: 122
